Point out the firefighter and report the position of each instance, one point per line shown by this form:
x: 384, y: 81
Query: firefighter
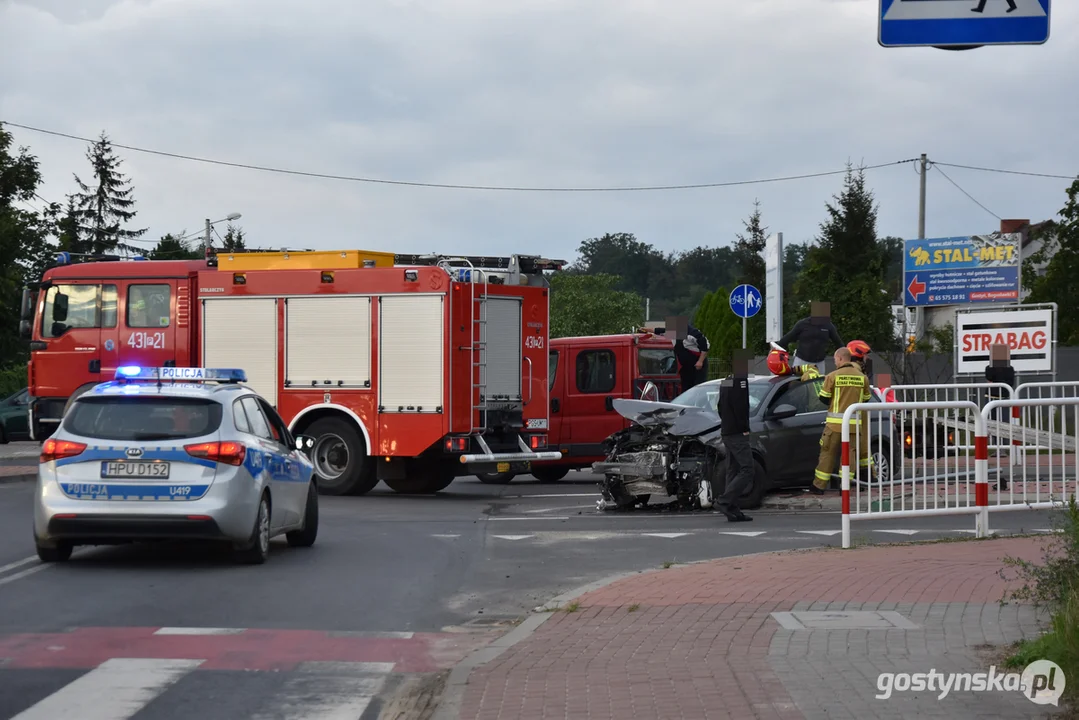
x: 859, y: 353
x: 843, y: 387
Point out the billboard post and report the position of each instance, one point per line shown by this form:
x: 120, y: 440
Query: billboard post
x: 773, y: 287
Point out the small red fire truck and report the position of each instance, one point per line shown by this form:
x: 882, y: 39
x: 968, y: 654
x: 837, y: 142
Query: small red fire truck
x: 408, y: 369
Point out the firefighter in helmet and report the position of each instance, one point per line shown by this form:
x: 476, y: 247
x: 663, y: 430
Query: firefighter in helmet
x: 779, y: 362
x: 843, y: 387
x: 859, y: 353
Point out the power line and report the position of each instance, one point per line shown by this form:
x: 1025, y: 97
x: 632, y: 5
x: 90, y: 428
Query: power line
x: 381, y: 181
x: 972, y: 199
x: 1006, y: 172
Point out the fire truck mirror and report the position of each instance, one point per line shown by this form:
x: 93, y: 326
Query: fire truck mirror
x: 25, y: 329
x: 59, y: 308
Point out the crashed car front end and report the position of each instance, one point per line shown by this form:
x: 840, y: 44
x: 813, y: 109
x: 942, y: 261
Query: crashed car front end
x: 669, y: 451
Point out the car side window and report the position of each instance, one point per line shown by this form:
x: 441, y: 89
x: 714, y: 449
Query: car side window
x: 259, y: 427
x: 793, y: 394
x: 595, y: 371
x: 239, y: 417
x: 277, y: 425
x: 148, y: 306
x: 552, y: 369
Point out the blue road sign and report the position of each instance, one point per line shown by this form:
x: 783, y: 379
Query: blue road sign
x: 961, y: 270
x: 944, y: 23
x: 746, y: 301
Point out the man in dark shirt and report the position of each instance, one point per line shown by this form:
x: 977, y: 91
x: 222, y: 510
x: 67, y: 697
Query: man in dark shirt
x: 812, y: 334
x: 734, y: 414
x: 692, y: 354
x: 1000, y: 370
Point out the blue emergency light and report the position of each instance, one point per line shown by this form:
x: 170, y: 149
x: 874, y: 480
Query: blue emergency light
x: 187, y: 374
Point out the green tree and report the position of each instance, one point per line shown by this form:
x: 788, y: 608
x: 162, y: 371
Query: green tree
x: 108, y: 204
x: 171, y: 247
x: 846, y: 267
x: 23, y: 242
x: 592, y: 305
x: 1060, y: 245
x: 723, y: 329
x: 233, y: 241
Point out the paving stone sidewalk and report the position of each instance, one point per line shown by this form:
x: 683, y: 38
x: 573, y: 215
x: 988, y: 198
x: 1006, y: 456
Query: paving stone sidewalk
x: 746, y: 637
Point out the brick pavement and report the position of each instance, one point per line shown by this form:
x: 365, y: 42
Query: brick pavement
x: 701, y: 641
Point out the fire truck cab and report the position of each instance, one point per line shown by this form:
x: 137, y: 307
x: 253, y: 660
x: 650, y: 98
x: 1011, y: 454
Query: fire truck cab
x: 408, y: 369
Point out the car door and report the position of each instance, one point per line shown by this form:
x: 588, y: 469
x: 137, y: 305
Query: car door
x: 15, y: 417
x: 293, y: 478
x: 787, y: 438
x: 592, y: 384
x: 270, y: 460
x: 69, y: 352
x: 147, y: 335
x: 556, y: 390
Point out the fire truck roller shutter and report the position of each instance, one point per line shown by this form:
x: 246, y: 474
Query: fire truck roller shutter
x: 242, y: 333
x: 503, y: 349
x: 411, y: 353
x: 344, y: 362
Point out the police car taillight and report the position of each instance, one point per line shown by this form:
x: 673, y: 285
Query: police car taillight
x: 59, y: 449
x: 229, y: 453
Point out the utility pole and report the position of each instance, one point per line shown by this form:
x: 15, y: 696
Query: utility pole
x: 206, y: 239
x: 921, y: 198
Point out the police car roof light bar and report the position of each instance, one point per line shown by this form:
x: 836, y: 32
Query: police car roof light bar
x: 185, y: 374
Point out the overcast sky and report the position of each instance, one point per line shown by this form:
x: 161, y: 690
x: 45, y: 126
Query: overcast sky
x: 553, y: 93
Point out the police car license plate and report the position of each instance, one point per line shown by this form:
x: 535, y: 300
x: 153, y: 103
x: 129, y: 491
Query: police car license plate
x: 137, y: 469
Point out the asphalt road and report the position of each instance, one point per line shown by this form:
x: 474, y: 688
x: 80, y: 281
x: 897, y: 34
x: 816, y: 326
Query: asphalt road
x: 396, y: 588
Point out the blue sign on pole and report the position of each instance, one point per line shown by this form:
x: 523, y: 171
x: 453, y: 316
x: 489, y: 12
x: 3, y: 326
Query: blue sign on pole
x: 746, y: 301
x: 961, y: 270
x: 952, y: 23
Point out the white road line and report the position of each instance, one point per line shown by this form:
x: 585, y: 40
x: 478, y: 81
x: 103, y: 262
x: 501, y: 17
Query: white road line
x: 560, y: 517
x: 17, y: 563
x: 900, y: 532
x: 563, y: 495
x: 24, y: 573
x: 669, y: 536
x: 328, y: 691
x: 746, y: 533
x: 819, y: 532
x: 116, y: 689
x: 512, y: 537
x: 446, y: 536
x: 198, y: 631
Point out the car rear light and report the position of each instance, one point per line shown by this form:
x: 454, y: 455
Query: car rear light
x: 537, y: 442
x: 456, y: 444
x: 908, y: 439
x: 59, y: 449
x: 199, y: 517
x: 229, y: 453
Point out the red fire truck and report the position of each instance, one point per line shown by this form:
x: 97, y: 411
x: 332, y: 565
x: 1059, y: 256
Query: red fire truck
x: 408, y: 369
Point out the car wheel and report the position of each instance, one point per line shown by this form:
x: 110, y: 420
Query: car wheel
x: 550, y: 474
x: 339, y: 455
x: 882, y: 461
x: 258, y: 548
x: 306, y: 536
x: 496, y: 478
x: 61, y: 552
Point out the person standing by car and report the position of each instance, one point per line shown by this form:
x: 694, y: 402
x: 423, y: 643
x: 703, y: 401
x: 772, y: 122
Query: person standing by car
x: 734, y: 414
x: 999, y: 371
x: 692, y: 353
x: 843, y: 387
x: 812, y: 334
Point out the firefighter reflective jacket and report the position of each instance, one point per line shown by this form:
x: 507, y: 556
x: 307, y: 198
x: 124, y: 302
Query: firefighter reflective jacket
x: 843, y: 387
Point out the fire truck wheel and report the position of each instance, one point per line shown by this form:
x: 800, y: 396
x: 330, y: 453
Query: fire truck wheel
x: 496, y: 478
x: 421, y: 483
x: 340, y: 458
x: 549, y: 474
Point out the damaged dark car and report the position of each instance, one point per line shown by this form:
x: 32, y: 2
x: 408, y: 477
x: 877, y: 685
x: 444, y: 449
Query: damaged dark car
x: 675, y: 449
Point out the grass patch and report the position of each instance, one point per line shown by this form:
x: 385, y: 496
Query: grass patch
x: 572, y: 607
x: 667, y: 564
x: 634, y: 607
x: 1053, y: 585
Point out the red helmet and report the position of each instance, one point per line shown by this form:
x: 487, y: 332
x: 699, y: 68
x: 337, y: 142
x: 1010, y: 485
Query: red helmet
x: 779, y: 362
x: 859, y: 349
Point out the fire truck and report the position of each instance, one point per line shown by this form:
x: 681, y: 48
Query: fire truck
x: 410, y: 369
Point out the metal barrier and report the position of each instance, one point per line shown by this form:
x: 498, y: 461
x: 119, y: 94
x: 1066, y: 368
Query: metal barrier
x: 942, y: 481
x: 956, y: 485
x: 978, y: 393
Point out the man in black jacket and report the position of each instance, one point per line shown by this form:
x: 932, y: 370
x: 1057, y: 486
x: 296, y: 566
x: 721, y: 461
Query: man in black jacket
x: 1000, y: 371
x: 734, y: 414
x: 812, y: 334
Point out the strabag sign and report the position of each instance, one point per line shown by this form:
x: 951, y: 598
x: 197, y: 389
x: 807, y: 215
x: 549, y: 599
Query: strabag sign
x: 1029, y: 334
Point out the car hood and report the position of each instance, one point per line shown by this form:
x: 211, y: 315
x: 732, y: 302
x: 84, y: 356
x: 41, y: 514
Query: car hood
x: 679, y: 420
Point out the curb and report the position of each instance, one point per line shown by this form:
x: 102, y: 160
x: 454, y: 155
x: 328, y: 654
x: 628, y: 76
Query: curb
x: 13, y: 479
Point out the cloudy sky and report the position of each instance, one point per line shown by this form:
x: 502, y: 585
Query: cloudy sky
x: 549, y: 93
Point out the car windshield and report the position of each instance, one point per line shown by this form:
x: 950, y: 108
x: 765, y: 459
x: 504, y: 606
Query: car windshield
x: 143, y: 418
x: 707, y: 396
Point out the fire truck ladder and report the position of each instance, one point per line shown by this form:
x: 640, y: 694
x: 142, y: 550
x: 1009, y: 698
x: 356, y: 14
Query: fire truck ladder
x: 465, y: 271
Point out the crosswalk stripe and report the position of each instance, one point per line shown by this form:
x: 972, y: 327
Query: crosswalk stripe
x: 115, y: 690
x: 328, y: 691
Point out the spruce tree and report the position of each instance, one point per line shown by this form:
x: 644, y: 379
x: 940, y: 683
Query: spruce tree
x: 108, y: 204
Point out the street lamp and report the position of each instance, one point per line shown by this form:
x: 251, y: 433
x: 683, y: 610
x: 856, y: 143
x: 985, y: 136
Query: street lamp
x: 206, y: 238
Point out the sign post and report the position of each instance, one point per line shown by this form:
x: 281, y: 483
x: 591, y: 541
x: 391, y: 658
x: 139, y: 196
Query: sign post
x: 961, y: 270
x: 773, y: 287
x: 746, y: 302
x: 962, y: 24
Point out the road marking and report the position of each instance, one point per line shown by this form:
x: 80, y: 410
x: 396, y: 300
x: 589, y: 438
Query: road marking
x: 198, y: 631
x: 561, y: 517
x: 512, y: 537
x: 580, y: 495
x: 328, y: 691
x: 746, y: 533
x: 24, y: 573
x: 116, y: 689
x: 669, y: 536
x: 901, y: 532
x: 446, y: 536
x: 819, y: 532
x: 17, y: 563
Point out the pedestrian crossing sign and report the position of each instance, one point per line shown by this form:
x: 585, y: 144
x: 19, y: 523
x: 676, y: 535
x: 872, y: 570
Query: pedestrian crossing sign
x: 960, y: 24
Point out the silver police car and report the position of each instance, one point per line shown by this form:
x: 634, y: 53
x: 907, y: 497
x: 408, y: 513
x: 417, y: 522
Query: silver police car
x: 173, y: 453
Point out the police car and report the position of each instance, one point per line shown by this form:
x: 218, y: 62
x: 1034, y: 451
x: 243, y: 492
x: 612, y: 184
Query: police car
x: 173, y: 453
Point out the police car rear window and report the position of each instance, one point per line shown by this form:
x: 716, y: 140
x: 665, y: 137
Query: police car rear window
x: 143, y: 418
